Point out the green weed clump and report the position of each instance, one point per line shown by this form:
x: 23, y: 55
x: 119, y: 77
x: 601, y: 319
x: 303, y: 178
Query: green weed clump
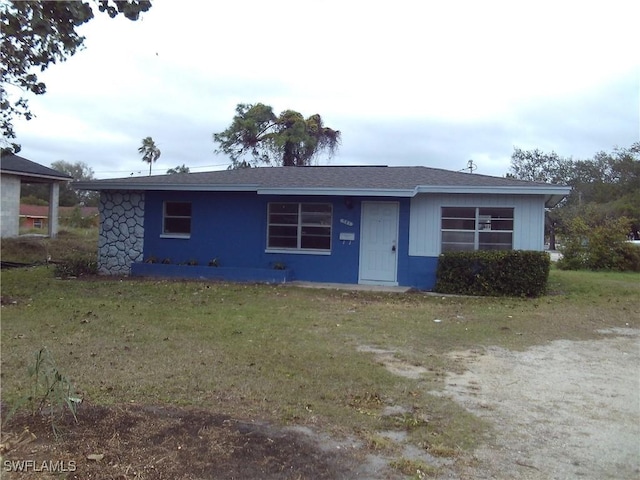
x: 415, y: 469
x: 51, y: 392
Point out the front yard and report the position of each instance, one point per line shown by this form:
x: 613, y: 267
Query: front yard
x: 209, y: 374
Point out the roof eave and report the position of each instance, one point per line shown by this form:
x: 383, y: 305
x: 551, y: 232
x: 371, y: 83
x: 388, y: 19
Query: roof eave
x: 37, y: 175
x: 553, y: 193
x: 553, y: 200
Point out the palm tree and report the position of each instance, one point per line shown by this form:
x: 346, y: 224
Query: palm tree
x: 286, y: 140
x: 149, y: 151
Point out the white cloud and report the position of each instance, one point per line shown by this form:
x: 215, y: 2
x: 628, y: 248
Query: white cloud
x: 406, y: 82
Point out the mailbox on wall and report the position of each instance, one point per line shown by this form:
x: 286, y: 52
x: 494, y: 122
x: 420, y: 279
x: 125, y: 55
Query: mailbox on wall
x: 347, y: 236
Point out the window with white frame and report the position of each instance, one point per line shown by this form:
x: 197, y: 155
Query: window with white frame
x: 176, y: 219
x: 477, y: 228
x: 299, y: 226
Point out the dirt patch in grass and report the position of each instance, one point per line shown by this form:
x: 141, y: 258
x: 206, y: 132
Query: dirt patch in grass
x: 136, y: 441
x: 395, y: 365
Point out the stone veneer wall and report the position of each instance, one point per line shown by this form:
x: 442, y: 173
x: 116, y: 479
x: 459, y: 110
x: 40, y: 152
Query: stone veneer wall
x: 121, y: 236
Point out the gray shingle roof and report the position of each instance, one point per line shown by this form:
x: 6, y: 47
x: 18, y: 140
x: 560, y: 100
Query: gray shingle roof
x: 311, y: 178
x: 364, y: 181
x: 14, y: 164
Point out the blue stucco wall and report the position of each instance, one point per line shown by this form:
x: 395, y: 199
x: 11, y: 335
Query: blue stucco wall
x: 232, y: 227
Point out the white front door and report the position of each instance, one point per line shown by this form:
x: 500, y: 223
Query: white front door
x: 379, y: 243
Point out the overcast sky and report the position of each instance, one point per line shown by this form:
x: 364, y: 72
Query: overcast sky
x: 406, y: 82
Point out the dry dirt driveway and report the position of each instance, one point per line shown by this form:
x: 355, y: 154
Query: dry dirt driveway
x: 565, y: 410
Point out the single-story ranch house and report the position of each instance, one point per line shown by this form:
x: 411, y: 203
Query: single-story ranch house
x: 358, y: 225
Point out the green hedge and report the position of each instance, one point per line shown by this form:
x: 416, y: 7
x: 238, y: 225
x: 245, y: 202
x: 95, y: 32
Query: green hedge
x: 515, y: 273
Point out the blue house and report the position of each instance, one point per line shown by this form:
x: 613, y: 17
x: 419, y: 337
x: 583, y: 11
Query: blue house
x: 355, y: 225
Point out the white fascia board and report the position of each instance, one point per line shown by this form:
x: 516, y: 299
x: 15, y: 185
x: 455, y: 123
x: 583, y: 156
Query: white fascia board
x: 350, y: 192
x: 506, y: 190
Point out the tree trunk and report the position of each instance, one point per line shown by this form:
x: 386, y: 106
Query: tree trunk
x: 552, y: 238
x: 288, y: 158
x: 550, y: 227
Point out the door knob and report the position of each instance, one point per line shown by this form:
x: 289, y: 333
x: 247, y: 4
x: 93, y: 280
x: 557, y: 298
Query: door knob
x: 393, y: 249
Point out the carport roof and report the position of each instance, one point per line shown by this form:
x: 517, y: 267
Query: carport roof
x: 15, y: 165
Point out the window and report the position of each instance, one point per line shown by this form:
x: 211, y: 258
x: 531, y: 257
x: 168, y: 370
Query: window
x: 37, y: 223
x: 176, y: 219
x: 299, y: 226
x: 470, y: 228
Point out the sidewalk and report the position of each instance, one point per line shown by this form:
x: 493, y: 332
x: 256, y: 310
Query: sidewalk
x: 350, y: 286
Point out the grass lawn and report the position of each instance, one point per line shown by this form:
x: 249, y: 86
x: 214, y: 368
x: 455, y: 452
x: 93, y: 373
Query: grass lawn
x: 285, y: 354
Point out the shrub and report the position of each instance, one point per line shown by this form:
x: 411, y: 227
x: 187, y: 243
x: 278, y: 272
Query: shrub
x: 629, y: 257
x: 76, y: 266
x: 601, y: 246
x: 495, y: 273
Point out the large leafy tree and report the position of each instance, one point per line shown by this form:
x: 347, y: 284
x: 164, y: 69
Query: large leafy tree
x: 257, y: 136
x: 36, y: 34
x: 604, y: 187
x: 538, y: 166
x: 149, y: 151
x: 80, y: 172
